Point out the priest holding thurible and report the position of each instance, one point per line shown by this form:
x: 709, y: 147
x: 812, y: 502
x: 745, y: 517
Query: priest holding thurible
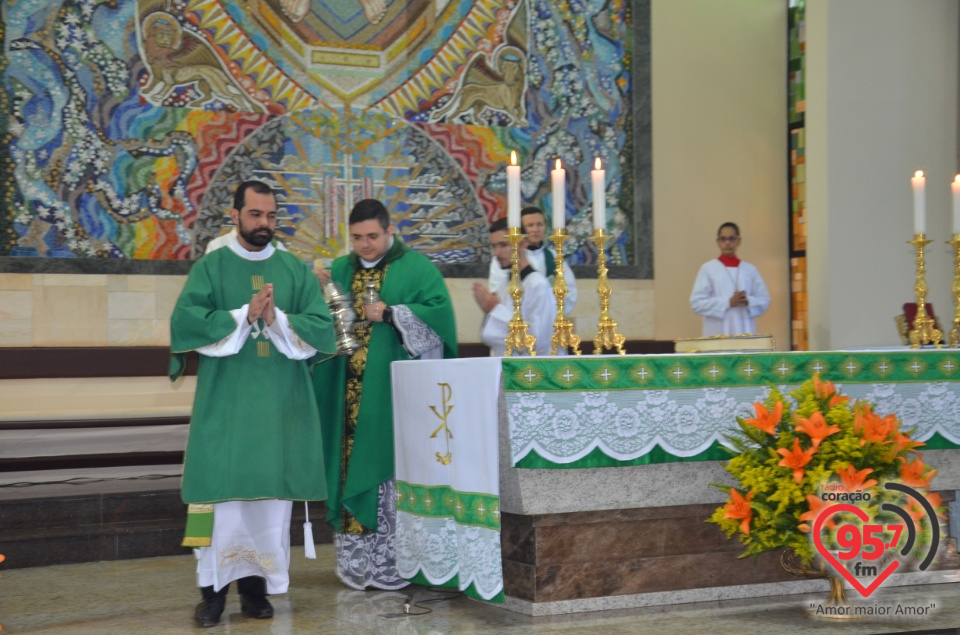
x: 411, y: 317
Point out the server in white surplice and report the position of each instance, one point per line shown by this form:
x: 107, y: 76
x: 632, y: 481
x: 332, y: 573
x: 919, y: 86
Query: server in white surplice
x: 729, y: 293
x: 539, y: 306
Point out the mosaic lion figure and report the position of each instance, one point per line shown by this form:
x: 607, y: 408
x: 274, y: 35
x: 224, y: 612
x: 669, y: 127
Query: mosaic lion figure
x: 481, y: 88
x: 180, y: 58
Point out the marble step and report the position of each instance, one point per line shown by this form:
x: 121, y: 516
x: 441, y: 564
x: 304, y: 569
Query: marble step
x: 90, y: 509
x: 90, y: 543
x: 91, y: 527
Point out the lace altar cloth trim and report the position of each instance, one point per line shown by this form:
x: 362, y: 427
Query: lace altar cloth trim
x: 564, y: 427
x: 441, y: 548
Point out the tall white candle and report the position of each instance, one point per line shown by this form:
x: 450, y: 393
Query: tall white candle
x: 598, y: 176
x: 919, y: 203
x: 557, y: 177
x: 955, y: 186
x: 513, y: 191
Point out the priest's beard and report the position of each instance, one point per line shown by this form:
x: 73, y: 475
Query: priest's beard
x: 259, y: 237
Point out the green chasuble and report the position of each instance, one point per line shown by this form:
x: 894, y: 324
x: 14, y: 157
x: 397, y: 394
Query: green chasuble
x: 255, y: 429
x: 408, y: 278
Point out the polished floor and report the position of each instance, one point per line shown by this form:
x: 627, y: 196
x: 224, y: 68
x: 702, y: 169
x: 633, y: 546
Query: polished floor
x: 157, y: 595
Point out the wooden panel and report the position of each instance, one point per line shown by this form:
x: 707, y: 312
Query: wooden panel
x: 635, y: 347
x: 88, y: 361
x: 153, y: 361
x: 36, y: 463
x: 74, y: 424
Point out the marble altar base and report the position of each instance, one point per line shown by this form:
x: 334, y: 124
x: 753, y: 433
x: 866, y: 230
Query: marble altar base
x: 581, y: 540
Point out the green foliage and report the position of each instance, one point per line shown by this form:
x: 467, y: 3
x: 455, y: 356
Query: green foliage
x: 771, y: 508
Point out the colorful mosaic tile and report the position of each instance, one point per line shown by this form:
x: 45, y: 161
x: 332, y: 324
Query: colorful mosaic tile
x: 799, y: 323
x: 125, y: 119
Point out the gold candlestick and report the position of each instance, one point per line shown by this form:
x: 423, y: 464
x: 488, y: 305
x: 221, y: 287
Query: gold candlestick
x: 607, y: 336
x: 517, y: 337
x: 563, y: 335
x: 923, y: 331
x: 955, y: 331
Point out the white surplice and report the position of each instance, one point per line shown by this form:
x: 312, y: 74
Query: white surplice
x: 538, y: 307
x: 537, y: 260
x: 711, y: 294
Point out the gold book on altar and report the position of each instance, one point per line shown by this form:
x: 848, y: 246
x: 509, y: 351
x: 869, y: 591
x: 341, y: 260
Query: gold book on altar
x: 724, y: 344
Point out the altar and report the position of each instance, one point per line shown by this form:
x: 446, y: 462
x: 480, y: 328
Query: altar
x: 567, y: 484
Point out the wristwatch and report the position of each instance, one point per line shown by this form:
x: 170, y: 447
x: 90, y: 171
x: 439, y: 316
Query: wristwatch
x: 388, y: 315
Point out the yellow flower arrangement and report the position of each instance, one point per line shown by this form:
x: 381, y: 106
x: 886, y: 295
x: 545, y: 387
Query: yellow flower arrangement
x: 785, y: 460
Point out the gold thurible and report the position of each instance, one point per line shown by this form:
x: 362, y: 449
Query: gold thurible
x: 563, y: 335
x: 607, y: 336
x: 923, y: 331
x: 955, y: 331
x: 517, y: 337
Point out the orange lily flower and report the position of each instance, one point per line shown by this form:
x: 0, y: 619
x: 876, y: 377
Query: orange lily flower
x: 816, y: 428
x: 836, y: 400
x: 853, y: 481
x: 916, y: 512
x: 766, y: 421
x: 936, y: 502
x: 739, y: 507
x: 796, y: 458
x: 903, y: 442
x: 877, y: 430
x: 817, y: 505
x: 861, y: 411
x: 824, y: 389
x: 914, y: 475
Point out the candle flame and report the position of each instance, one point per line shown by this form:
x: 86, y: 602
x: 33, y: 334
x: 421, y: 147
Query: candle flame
x: 513, y: 157
x: 918, y: 174
x: 956, y: 179
x: 596, y: 164
x: 558, y: 164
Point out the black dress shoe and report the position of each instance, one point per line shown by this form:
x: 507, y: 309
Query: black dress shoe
x: 256, y: 606
x: 209, y: 611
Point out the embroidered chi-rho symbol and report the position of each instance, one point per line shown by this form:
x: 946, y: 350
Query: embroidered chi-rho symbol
x: 446, y: 392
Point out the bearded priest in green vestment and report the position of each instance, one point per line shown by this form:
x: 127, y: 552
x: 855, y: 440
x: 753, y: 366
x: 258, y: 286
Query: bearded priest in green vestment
x: 412, y: 318
x: 255, y: 314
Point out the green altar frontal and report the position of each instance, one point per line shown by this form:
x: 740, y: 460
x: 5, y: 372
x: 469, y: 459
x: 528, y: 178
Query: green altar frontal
x: 611, y: 411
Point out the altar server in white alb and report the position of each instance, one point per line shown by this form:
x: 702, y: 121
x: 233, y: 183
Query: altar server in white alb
x: 538, y: 306
x: 541, y: 255
x: 729, y: 293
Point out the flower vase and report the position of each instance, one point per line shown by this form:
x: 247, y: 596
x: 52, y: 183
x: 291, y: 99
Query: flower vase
x: 837, y: 605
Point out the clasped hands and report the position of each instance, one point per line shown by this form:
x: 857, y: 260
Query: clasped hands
x: 262, y: 306
x: 739, y: 299
x: 486, y: 299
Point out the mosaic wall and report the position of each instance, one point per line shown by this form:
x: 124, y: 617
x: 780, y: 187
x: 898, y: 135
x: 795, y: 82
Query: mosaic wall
x: 127, y: 123
x: 799, y: 325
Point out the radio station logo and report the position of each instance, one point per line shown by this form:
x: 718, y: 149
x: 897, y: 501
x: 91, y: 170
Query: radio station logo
x: 868, y: 548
